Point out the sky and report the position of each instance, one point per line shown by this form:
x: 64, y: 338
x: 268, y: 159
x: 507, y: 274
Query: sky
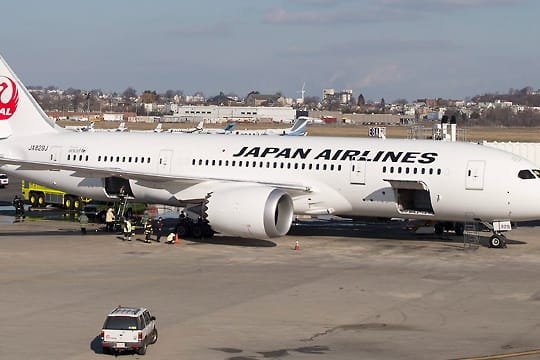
x: 391, y: 49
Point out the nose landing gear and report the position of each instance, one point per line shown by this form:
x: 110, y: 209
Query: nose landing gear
x: 497, y: 240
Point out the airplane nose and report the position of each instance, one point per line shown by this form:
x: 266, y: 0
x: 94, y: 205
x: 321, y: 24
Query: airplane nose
x: 524, y: 201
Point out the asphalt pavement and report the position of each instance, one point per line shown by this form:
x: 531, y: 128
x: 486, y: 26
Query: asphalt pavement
x: 351, y: 291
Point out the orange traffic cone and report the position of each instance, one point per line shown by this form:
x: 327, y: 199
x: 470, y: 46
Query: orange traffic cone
x: 296, y: 246
x: 176, y: 239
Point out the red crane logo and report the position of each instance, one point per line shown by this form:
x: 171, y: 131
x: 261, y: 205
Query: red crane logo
x: 9, y: 98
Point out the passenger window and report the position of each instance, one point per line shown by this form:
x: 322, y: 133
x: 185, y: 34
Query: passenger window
x: 525, y: 174
x: 147, y: 317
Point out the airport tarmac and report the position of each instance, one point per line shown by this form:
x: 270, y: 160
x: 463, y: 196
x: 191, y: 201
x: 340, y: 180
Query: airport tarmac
x: 354, y: 291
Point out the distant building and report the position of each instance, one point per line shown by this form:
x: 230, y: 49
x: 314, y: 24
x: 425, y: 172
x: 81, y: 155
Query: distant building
x: 255, y: 99
x: 219, y: 114
x: 343, y: 97
x: 113, y: 117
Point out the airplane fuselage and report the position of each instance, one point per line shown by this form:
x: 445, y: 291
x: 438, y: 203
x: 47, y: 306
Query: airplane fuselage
x: 345, y: 176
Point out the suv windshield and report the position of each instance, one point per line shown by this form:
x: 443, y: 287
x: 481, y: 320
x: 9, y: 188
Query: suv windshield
x: 121, y: 323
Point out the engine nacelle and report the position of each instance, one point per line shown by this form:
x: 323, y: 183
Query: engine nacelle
x: 254, y: 211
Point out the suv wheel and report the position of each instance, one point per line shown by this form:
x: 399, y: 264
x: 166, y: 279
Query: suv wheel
x: 142, y: 349
x: 154, y: 336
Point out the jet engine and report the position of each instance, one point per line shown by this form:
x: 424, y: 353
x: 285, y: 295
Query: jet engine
x: 254, y: 211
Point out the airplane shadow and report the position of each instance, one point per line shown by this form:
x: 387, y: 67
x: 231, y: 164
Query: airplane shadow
x: 230, y: 241
x: 384, y: 230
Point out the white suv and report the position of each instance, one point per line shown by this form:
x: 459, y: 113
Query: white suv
x: 4, y: 180
x: 128, y: 328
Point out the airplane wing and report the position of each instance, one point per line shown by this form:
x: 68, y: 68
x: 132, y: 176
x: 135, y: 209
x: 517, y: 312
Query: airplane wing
x: 293, y: 188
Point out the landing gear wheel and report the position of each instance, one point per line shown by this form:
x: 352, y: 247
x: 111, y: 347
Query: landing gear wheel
x: 459, y: 228
x: 439, y: 228
x: 197, y: 231
x: 182, y: 230
x: 497, y: 241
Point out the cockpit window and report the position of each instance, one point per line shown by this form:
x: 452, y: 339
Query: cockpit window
x: 536, y: 172
x: 526, y: 174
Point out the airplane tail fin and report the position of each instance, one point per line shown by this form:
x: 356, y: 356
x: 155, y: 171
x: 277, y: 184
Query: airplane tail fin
x: 229, y: 126
x: 200, y: 126
x: 299, y: 127
x: 20, y: 114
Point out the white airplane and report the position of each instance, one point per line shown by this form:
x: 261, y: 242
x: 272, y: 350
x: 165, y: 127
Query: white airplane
x: 121, y: 128
x: 157, y: 129
x: 91, y: 128
x: 252, y: 186
x: 298, y: 128
x: 88, y: 127
x: 226, y: 130
x: 197, y: 129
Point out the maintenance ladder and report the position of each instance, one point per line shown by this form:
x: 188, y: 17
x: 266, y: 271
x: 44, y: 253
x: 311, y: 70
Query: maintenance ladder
x: 471, y: 240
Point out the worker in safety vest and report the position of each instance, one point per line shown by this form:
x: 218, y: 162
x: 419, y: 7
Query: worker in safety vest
x: 127, y: 230
x: 147, y: 231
